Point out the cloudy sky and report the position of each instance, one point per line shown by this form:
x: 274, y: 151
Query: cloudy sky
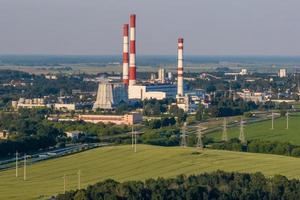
x: 210, y: 27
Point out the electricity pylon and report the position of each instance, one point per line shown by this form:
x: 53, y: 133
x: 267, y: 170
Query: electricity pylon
x: 242, y: 136
x: 199, y: 139
x: 224, y: 134
x: 183, y: 136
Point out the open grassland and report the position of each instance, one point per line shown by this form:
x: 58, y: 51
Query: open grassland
x: 262, y: 130
x: 121, y: 163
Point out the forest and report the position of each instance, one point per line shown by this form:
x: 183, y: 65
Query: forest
x: 217, y: 185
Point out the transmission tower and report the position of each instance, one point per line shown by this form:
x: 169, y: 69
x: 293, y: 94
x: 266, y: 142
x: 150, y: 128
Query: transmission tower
x: 183, y: 135
x: 199, y: 139
x: 225, y: 135
x: 242, y: 136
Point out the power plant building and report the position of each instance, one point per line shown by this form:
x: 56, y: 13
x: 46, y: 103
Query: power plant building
x: 152, y: 91
x: 109, y: 95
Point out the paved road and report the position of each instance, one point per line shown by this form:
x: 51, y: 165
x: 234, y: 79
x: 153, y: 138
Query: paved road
x: 9, y: 163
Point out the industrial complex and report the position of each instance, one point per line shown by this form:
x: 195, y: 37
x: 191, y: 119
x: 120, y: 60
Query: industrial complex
x: 110, y: 94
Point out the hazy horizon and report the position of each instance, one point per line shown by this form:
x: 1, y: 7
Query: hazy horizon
x: 94, y: 27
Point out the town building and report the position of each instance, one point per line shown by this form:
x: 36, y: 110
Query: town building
x: 127, y: 119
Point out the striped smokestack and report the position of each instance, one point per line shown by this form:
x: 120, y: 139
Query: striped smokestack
x: 125, y: 54
x: 132, y: 69
x: 180, y: 68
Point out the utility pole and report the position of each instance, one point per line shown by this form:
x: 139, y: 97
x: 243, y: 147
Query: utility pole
x: 183, y: 136
x: 79, y: 174
x: 132, y: 139
x: 135, y: 141
x: 64, y: 183
x: 242, y: 137
x: 16, y: 163
x: 225, y: 135
x: 287, y: 120
x: 272, y: 121
x: 24, y: 167
x: 199, y: 139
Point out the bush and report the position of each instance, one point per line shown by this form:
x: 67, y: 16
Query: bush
x: 296, y: 152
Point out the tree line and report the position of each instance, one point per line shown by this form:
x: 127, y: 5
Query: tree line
x: 217, y: 185
x: 260, y: 146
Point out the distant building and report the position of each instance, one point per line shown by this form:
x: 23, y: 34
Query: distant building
x: 161, y: 75
x: 170, y: 76
x: 244, y: 72
x: 73, y: 134
x: 50, y: 77
x: 247, y: 95
x: 183, y: 102
x: 4, y: 135
x: 282, y: 73
x: 128, y: 119
x: 152, y: 91
x: 65, y: 106
x: 28, y: 103
x: 110, y: 95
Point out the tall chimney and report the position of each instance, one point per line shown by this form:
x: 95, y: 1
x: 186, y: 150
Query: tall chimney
x: 125, y: 54
x: 180, y: 68
x: 132, y: 69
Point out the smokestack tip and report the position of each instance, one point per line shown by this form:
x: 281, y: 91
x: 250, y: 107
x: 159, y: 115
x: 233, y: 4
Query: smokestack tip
x: 132, y: 20
x: 125, y: 29
x: 180, y: 40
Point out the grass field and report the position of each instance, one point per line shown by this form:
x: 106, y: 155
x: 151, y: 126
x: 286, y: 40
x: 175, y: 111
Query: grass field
x: 262, y: 130
x: 121, y: 163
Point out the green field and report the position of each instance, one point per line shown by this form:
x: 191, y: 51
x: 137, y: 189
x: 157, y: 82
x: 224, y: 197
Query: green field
x: 121, y: 163
x: 262, y: 130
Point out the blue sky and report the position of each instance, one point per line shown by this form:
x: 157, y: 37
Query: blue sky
x: 210, y: 27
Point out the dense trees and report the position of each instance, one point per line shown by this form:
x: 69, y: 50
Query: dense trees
x: 260, y: 146
x: 168, y: 136
x: 28, y: 132
x: 217, y: 185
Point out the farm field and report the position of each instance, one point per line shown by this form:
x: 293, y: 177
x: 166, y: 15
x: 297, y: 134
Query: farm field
x: 262, y: 130
x: 121, y: 163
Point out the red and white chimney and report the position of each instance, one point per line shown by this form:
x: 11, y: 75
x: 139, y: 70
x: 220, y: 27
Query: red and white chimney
x: 132, y: 68
x: 180, y: 68
x: 125, y: 54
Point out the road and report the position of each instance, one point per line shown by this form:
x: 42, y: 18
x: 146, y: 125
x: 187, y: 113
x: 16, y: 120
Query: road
x: 9, y: 163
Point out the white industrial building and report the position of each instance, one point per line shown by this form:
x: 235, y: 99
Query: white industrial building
x: 152, y: 91
x: 110, y: 94
x: 282, y: 73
